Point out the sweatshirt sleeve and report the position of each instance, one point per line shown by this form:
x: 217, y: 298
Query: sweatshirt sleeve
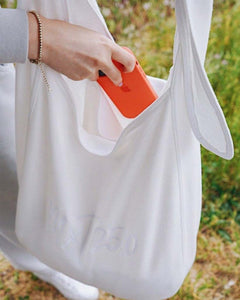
x: 13, y: 35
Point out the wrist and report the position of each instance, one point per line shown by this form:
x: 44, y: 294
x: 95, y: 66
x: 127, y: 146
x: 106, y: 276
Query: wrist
x: 47, y: 39
x: 33, y: 42
x: 34, y: 37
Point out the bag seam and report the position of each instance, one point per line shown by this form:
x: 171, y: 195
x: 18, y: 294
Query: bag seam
x: 34, y: 99
x: 179, y: 162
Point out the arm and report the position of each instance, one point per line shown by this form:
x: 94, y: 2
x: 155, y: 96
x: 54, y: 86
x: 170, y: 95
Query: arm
x: 76, y: 51
x: 72, y: 50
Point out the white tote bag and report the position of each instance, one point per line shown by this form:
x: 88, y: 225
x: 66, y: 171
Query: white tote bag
x: 111, y: 202
x: 8, y: 177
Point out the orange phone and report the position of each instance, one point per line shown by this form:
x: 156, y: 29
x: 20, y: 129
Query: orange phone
x: 136, y: 93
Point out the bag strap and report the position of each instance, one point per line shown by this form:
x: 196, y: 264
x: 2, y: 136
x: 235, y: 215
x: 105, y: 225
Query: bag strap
x: 193, y: 18
x: 206, y: 117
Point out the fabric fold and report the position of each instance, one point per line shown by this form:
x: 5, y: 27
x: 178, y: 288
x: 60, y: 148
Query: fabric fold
x: 205, y: 114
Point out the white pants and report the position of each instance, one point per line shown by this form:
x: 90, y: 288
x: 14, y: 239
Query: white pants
x: 11, y: 248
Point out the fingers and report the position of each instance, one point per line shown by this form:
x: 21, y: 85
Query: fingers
x: 106, y: 64
x: 94, y: 76
x: 112, y: 72
x: 124, y: 57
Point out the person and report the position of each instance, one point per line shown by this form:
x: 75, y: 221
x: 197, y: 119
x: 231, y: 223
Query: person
x: 75, y: 51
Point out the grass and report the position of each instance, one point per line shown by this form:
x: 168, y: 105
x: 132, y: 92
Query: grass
x: 147, y: 27
x: 214, y: 275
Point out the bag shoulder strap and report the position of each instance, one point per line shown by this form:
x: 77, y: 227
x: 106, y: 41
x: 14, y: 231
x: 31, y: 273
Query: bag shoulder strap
x: 205, y: 114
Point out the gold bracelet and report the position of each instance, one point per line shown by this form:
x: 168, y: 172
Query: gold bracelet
x: 38, y: 61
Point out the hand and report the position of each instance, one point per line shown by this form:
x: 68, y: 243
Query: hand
x: 76, y: 51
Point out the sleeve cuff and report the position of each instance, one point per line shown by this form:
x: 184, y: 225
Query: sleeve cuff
x: 13, y: 35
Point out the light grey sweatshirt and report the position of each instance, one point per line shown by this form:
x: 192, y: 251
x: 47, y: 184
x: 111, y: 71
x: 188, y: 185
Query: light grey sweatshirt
x: 13, y: 35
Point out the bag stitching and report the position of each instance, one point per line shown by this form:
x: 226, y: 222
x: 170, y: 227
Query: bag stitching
x: 34, y: 99
x: 178, y: 156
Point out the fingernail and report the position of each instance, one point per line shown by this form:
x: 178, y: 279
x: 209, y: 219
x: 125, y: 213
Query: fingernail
x: 120, y: 84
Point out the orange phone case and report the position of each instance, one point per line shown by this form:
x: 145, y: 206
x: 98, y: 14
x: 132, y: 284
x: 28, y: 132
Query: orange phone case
x: 136, y: 93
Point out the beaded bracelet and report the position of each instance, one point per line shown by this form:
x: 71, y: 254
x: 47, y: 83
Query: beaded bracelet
x: 38, y: 61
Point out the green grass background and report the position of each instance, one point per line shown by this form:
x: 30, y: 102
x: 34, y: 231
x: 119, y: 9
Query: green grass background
x: 147, y: 27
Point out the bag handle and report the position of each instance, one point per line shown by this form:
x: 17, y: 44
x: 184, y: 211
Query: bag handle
x: 193, y: 18
x: 206, y: 117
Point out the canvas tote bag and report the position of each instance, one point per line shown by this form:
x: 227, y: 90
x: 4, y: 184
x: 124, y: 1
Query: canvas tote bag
x: 8, y: 177
x: 111, y: 202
